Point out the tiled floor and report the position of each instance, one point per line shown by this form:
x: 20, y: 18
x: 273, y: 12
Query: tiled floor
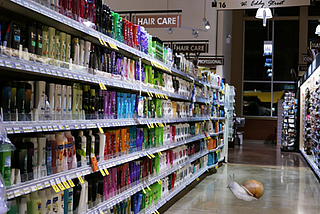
x: 290, y: 187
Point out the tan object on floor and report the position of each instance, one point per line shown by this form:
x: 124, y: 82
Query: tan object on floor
x: 251, y: 190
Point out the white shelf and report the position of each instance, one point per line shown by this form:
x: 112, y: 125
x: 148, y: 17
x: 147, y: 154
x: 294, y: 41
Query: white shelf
x: 47, y: 12
x: 20, y: 65
x: 216, y: 149
x: 44, y: 182
x: 18, y: 127
x: 131, y: 191
x: 216, y: 134
x: 311, y: 163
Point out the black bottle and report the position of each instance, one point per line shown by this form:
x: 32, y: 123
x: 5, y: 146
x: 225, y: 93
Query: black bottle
x: 32, y: 37
x: 16, y: 36
x: 39, y: 40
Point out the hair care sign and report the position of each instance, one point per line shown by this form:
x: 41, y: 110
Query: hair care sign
x: 254, y: 4
x: 189, y: 47
x: 158, y: 20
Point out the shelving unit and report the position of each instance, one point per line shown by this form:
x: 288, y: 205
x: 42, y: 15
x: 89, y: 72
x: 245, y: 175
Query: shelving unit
x: 309, y: 131
x: 217, y: 117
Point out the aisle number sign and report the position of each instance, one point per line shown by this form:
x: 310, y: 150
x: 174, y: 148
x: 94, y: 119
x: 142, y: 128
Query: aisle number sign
x: 253, y: 4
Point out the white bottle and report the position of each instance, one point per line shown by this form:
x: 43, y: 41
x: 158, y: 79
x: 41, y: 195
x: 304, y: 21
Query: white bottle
x: 48, y: 204
x: 83, y: 198
x: 56, y: 202
x: 87, y: 54
x: 83, y: 148
x: 34, y: 204
x: 102, y: 145
x: 40, y: 99
x: 42, y: 168
x: 23, y: 205
x: 51, y: 100
x: 81, y: 52
x: 69, y: 103
x: 63, y: 102
x: 93, y: 139
x: 44, y: 199
x: 57, y: 101
x: 34, y: 141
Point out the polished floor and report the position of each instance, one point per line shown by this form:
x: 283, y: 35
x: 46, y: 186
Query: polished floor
x: 290, y: 185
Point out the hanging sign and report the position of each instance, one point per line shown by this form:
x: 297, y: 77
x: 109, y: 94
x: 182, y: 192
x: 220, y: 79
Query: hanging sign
x: 306, y: 58
x: 158, y: 21
x: 315, y: 45
x: 209, y: 62
x: 302, y: 68
x: 189, y: 48
x: 253, y: 4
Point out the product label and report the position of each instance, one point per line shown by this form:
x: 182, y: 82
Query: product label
x: 48, y: 206
x: 55, y: 205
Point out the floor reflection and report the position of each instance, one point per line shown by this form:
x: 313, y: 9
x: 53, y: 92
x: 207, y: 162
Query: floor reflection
x: 290, y: 185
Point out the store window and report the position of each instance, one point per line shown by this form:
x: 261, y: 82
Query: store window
x: 262, y: 90
x: 255, y: 35
x: 257, y: 99
x: 286, y: 49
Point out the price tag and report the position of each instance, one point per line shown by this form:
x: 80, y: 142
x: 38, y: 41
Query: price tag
x: 27, y: 129
x: 35, y: 69
x: 26, y: 190
x: 94, y: 164
x: 40, y: 186
x: 198, y: 179
x: 38, y: 128
x: 159, y: 182
x: 83, y: 126
x: 9, y: 130
x: 106, y: 171
x: 34, y: 188
x: 48, y: 71
x: 216, y: 167
x: 70, y: 181
x: 54, y: 73
x: 1, y: 63
x: 152, y: 155
x: 55, y: 188
x: 65, y: 183
x: 61, y: 127
x: 100, y: 129
x: 101, y: 212
x: 157, y: 212
x: 61, y: 187
x: 149, y: 156
x: 160, y: 154
x: 56, y: 128
x: 16, y: 193
x: 16, y: 130
x: 46, y: 184
x: 8, y: 64
x: 44, y: 128
x: 102, y: 172
x: 67, y: 127
x: 113, y: 46
x: 10, y: 195
x: 28, y: 68
x: 80, y: 179
x: 144, y: 191
x: 42, y: 70
x: 18, y: 66
x: 49, y: 128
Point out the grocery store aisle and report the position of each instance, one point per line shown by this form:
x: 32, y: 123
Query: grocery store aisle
x: 288, y: 190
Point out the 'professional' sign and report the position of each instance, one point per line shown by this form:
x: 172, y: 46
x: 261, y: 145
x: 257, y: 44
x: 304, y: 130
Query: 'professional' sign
x: 252, y: 4
x: 190, y: 48
x: 210, y: 62
x: 158, y: 21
